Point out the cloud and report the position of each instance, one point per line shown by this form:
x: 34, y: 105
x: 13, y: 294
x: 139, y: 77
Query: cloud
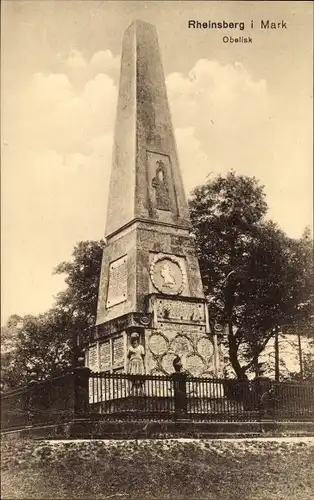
x: 194, y: 161
x: 75, y: 60
x: 222, y: 103
x: 59, y: 131
x: 102, y: 61
x: 224, y: 120
x: 58, y: 116
x: 50, y: 201
x: 221, y: 116
x: 105, y: 61
x: 52, y: 88
x: 215, y: 88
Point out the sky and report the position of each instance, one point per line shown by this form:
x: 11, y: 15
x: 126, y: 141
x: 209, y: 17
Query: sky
x: 247, y: 107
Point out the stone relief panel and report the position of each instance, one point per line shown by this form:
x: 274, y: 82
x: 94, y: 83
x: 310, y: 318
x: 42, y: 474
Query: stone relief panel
x: 195, y: 349
x: 205, y: 348
x: 161, y: 185
x: 160, y: 182
x: 168, y: 274
x: 181, y: 311
x: 167, y: 363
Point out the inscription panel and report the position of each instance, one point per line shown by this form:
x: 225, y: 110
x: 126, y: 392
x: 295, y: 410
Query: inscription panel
x: 105, y: 361
x: 93, y: 359
x: 187, y: 329
x: 117, y: 288
x: 180, y: 311
x: 118, y: 350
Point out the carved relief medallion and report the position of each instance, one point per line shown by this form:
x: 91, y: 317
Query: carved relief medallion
x: 181, y: 345
x: 158, y: 344
x: 167, y: 362
x: 167, y: 274
x: 205, y: 348
x: 195, y: 365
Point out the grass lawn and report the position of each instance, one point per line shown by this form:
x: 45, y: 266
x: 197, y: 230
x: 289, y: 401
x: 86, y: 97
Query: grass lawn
x: 159, y: 469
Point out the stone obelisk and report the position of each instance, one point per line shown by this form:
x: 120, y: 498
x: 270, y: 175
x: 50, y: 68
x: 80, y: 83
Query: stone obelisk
x: 150, y: 284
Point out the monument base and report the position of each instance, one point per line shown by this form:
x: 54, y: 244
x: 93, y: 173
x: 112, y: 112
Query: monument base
x: 169, y: 326
x: 101, y: 428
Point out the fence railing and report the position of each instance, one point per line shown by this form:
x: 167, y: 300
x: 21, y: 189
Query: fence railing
x: 125, y: 394
x: 198, y: 398
x: 52, y: 401
x: 82, y: 393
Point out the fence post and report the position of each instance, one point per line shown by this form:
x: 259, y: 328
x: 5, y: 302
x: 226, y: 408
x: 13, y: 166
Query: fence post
x: 81, y: 390
x: 180, y: 397
x: 32, y: 403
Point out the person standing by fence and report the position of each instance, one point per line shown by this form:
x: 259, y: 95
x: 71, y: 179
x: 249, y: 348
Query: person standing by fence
x: 136, y: 365
x: 179, y: 381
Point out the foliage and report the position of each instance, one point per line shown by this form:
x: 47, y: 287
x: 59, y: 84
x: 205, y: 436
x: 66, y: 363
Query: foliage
x: 307, y: 374
x: 37, y: 347
x: 79, y: 299
x: 255, y: 277
x: 308, y: 366
x: 41, y: 348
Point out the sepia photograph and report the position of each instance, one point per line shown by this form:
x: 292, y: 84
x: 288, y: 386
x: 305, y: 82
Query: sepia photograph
x: 157, y: 259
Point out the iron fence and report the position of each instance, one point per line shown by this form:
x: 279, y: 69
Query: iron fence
x: 129, y: 395
x: 89, y: 395
x: 289, y: 401
x: 54, y: 400
x: 198, y: 398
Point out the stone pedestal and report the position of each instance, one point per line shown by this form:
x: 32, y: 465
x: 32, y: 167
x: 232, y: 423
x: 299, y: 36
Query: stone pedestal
x: 169, y: 327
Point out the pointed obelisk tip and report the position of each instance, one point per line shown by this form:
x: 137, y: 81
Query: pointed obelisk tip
x: 139, y: 23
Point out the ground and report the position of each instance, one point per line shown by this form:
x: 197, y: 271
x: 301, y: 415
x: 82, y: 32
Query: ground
x: 260, y: 469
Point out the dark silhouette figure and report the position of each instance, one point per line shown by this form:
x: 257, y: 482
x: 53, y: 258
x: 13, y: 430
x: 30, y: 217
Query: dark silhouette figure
x: 179, y: 384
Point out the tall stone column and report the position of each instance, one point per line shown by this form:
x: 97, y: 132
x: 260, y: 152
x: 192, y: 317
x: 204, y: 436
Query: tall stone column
x: 150, y: 280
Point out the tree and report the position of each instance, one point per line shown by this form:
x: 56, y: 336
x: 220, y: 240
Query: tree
x: 9, y: 339
x: 41, y: 346
x: 301, y: 274
x: 255, y: 277
x: 308, y: 366
x: 79, y: 299
x: 307, y: 374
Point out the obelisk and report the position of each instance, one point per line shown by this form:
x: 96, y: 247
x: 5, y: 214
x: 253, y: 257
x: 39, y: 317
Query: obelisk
x: 150, y: 282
